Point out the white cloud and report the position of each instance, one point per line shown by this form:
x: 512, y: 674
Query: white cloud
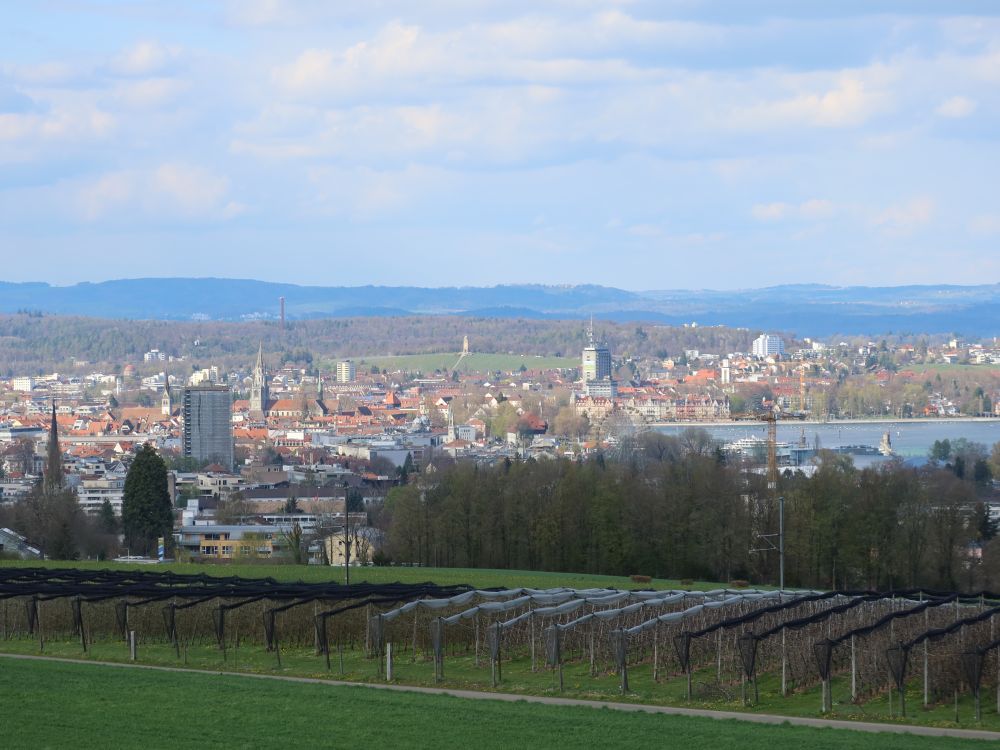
x: 144, y: 58
x: 812, y: 210
x: 174, y: 190
x: 901, y: 219
x: 366, y: 194
x: 849, y: 103
x: 816, y: 208
x: 985, y: 225
x: 770, y: 211
x: 149, y: 92
x: 956, y: 107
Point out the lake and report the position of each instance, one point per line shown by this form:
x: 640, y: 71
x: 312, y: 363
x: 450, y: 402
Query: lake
x: 910, y: 439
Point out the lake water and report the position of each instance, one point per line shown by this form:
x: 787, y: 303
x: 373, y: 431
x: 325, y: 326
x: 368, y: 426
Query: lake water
x: 910, y: 439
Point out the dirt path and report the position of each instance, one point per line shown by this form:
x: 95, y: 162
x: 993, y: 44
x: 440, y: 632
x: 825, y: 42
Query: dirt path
x: 858, y: 726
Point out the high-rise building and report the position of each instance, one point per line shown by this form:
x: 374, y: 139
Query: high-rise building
x: 767, y: 345
x: 596, y: 359
x: 208, y: 424
x: 345, y: 371
x: 259, y: 392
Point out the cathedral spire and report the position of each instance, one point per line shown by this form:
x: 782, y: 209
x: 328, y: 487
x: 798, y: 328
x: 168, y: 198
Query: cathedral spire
x: 52, y: 481
x: 166, y: 404
x: 259, y: 395
x: 259, y: 367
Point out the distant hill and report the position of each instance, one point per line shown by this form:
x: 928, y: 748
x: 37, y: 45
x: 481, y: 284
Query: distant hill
x: 806, y: 309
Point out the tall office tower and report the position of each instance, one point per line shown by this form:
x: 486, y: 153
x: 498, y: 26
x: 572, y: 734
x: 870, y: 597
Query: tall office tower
x: 208, y: 424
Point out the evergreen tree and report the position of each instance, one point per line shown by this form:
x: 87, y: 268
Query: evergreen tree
x: 146, y: 509
x: 107, y: 521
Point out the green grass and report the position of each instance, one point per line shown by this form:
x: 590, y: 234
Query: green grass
x: 479, y: 578
x: 428, y: 363
x: 462, y: 672
x: 51, y: 704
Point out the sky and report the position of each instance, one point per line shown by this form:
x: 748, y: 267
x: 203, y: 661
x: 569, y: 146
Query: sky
x: 644, y: 145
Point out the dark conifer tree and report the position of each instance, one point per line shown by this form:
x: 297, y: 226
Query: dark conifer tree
x: 146, y: 509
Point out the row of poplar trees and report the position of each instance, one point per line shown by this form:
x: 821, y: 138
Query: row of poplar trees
x: 672, y: 507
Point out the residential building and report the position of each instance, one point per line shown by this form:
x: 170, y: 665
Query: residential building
x: 225, y: 542
x: 94, y: 490
x: 767, y: 345
x: 346, y: 372
x: 208, y: 428
x: 22, y: 383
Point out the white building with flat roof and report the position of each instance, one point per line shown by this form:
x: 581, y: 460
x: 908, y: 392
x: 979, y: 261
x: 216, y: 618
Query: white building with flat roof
x: 767, y: 345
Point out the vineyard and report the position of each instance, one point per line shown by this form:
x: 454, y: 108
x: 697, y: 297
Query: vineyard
x: 939, y: 645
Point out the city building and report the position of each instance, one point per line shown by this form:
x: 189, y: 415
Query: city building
x: 224, y: 542
x: 345, y: 371
x: 767, y: 345
x: 208, y: 428
x: 596, y: 361
x: 259, y: 395
x: 596, y: 368
x: 22, y: 383
x: 94, y: 490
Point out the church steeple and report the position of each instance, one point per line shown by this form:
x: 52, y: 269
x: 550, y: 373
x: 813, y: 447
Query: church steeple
x: 259, y: 395
x: 52, y: 481
x: 166, y: 405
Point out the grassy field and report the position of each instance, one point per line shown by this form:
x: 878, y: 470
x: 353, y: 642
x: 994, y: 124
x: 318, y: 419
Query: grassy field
x: 461, y: 669
x: 462, y: 672
x: 51, y: 704
x: 479, y: 578
x: 428, y: 363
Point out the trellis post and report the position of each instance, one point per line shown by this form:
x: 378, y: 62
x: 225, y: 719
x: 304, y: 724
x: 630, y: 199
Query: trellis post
x: 784, y: 666
x: 531, y: 622
x: 927, y: 663
x: 656, y: 654
x: 593, y: 624
x: 413, y: 649
x: 854, y: 671
x: 718, y: 655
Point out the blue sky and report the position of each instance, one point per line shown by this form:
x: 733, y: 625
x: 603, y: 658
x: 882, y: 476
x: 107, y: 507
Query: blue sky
x: 669, y: 144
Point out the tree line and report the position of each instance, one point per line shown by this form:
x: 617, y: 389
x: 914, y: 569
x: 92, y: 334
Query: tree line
x: 674, y: 507
x: 32, y: 345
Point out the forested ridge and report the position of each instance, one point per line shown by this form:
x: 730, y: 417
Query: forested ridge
x: 32, y: 344
x: 674, y: 508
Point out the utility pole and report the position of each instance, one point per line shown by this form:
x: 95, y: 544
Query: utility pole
x: 781, y: 543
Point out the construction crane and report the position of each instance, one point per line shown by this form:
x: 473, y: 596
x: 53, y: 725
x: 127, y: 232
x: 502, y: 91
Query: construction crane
x: 771, y: 417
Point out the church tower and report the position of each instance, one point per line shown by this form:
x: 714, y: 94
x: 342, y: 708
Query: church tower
x: 259, y: 395
x: 166, y: 405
